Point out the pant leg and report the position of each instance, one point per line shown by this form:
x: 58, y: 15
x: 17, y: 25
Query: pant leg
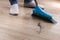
x: 27, y: 1
x: 13, y: 2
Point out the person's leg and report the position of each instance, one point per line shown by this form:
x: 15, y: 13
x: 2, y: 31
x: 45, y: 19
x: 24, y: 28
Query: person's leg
x: 14, y: 7
x: 27, y: 1
x: 13, y: 2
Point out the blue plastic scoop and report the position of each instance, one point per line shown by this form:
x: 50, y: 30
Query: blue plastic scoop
x: 38, y: 11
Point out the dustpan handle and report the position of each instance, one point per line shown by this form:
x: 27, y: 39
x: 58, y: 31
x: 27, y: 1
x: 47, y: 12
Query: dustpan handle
x: 36, y: 2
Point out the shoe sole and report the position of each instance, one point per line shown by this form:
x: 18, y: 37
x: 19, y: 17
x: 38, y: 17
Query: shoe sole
x: 14, y: 14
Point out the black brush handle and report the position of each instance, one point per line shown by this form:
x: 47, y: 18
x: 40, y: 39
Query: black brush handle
x: 36, y: 2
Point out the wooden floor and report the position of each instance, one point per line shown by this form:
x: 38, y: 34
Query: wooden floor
x: 25, y: 27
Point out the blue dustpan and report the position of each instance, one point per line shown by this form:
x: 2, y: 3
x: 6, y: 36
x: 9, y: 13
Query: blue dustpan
x: 38, y: 11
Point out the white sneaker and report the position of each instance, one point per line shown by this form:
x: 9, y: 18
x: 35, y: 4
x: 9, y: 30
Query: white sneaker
x: 14, y: 9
